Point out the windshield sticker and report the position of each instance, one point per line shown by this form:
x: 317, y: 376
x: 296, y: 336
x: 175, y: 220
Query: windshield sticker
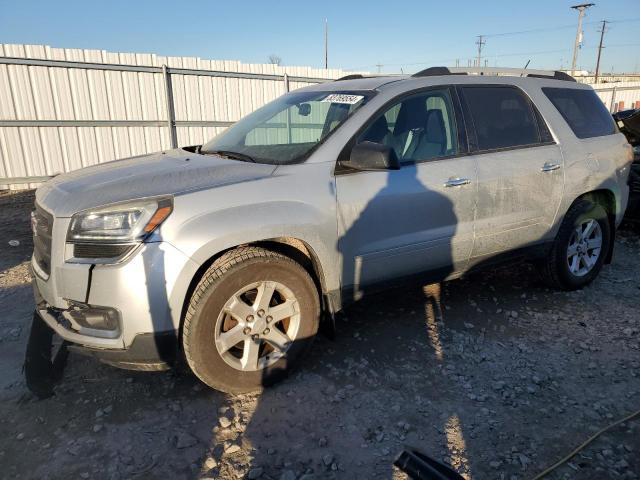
x: 342, y: 98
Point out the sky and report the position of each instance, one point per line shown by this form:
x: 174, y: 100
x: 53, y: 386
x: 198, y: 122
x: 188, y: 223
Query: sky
x: 390, y: 36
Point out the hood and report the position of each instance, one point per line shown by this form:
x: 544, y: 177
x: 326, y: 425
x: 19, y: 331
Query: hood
x: 629, y: 123
x: 163, y: 173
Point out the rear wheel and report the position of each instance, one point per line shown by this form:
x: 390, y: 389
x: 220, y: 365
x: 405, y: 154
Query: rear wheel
x: 251, y: 317
x: 580, y: 247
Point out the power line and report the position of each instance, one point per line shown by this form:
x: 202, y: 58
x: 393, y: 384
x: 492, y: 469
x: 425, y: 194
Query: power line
x: 446, y: 60
x: 624, y: 20
x: 617, y: 45
x: 558, y: 27
x: 492, y: 35
x: 534, y: 30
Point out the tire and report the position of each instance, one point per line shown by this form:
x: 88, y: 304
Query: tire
x: 559, y: 269
x: 226, y: 306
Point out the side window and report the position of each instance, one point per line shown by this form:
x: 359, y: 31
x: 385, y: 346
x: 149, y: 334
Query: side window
x: 582, y: 110
x: 419, y: 127
x: 502, y: 117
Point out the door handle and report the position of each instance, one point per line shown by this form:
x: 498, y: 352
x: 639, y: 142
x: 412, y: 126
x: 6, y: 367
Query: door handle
x: 550, y: 167
x: 457, y: 182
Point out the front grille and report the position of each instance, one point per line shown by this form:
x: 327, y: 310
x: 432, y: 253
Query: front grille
x: 42, y: 228
x: 86, y: 250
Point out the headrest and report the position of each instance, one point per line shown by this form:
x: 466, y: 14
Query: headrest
x: 377, y: 131
x: 434, y: 127
x: 412, y: 114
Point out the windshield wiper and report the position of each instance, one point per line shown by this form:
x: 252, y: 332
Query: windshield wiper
x: 230, y: 154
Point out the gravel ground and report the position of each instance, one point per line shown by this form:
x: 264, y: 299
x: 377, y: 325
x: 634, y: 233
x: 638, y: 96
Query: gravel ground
x: 493, y: 373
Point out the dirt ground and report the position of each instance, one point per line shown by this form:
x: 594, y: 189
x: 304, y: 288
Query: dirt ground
x: 493, y: 373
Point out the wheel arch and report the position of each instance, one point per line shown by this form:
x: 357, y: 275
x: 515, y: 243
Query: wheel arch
x: 606, y: 199
x: 296, y: 249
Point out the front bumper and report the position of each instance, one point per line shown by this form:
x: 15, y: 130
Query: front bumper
x: 147, y: 290
x: 149, y: 352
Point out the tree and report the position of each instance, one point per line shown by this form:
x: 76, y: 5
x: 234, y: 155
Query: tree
x: 274, y: 59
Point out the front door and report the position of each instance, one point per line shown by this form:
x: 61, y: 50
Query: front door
x: 398, y: 223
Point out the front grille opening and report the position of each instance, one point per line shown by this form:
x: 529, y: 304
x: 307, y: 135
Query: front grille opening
x: 42, y: 228
x: 90, y: 250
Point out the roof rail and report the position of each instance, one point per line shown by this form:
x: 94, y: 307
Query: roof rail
x: 557, y: 75
x: 432, y: 72
x: 353, y: 76
x: 522, y: 72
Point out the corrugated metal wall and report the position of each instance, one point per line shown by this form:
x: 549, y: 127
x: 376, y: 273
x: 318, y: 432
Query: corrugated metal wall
x: 47, y: 112
x: 619, y: 96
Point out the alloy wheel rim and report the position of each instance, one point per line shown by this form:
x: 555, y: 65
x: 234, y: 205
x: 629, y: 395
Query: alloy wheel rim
x: 585, y: 245
x: 257, y: 326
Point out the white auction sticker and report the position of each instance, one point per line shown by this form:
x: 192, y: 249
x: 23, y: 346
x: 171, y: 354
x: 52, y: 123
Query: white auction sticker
x: 343, y: 98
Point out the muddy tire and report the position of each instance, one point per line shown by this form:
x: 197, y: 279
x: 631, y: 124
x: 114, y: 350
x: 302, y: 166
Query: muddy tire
x: 580, y: 247
x: 251, y: 317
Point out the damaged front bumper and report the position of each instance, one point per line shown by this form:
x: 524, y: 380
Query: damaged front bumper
x: 46, y: 354
x: 81, y: 323
x: 89, y: 330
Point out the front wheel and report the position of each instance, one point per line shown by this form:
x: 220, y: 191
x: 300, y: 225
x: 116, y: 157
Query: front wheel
x: 251, y: 317
x: 580, y: 247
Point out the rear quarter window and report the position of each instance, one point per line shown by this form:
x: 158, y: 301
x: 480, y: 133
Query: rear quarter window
x: 583, y: 111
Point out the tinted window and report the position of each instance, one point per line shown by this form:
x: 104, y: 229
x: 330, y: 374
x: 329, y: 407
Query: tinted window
x: 419, y: 127
x: 502, y: 117
x: 583, y: 111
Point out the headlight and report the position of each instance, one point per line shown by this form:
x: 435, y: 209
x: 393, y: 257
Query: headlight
x: 128, y: 222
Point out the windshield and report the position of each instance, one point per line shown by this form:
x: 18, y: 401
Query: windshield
x: 288, y: 129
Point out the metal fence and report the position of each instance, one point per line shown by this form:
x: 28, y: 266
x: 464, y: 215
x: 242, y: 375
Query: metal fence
x: 619, y: 96
x: 63, y: 109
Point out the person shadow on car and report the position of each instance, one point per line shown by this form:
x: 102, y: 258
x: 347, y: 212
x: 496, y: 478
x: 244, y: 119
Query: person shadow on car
x: 274, y: 419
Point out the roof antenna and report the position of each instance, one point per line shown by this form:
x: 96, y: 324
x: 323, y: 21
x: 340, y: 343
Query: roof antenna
x: 525, y: 67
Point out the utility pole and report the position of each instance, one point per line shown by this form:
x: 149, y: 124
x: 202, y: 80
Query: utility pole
x: 600, y: 47
x: 379, y: 65
x: 480, y: 42
x: 326, y: 44
x: 581, y: 8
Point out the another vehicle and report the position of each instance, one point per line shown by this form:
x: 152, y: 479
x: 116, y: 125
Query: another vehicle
x: 229, y: 253
x: 629, y: 123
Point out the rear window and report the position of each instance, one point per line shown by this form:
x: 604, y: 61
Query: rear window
x: 502, y: 116
x: 582, y: 110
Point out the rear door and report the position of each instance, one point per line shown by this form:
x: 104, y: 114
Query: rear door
x: 520, y: 169
x: 418, y: 219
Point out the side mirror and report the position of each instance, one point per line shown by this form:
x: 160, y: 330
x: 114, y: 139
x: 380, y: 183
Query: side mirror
x: 372, y: 156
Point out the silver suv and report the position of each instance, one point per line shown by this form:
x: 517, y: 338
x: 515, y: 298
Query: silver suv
x: 229, y: 254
